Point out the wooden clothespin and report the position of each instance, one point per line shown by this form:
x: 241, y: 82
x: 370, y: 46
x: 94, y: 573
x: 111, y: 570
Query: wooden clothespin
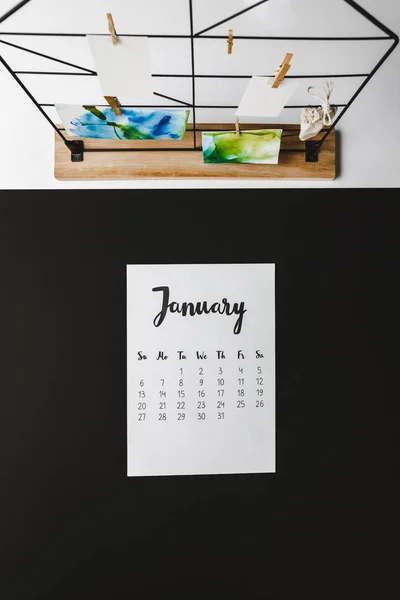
x: 230, y: 41
x: 111, y: 28
x: 113, y: 100
x: 115, y: 104
x: 282, y: 70
x: 237, y: 126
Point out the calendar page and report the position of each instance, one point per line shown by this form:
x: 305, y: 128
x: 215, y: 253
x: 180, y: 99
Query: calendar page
x: 201, y: 369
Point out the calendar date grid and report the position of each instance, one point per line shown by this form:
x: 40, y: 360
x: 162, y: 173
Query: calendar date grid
x: 200, y: 386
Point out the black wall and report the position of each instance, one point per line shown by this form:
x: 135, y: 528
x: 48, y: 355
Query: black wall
x: 72, y: 525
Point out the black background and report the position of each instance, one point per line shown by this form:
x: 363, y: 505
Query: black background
x: 72, y: 525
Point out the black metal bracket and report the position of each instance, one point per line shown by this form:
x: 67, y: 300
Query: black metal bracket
x: 312, y: 151
x: 77, y: 149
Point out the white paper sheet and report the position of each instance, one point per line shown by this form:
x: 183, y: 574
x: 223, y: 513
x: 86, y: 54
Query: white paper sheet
x: 201, y: 388
x: 124, y: 70
x: 261, y: 100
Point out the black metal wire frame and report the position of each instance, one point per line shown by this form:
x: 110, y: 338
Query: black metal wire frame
x: 84, y: 72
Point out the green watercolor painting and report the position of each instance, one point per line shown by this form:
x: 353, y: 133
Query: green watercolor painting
x: 259, y: 147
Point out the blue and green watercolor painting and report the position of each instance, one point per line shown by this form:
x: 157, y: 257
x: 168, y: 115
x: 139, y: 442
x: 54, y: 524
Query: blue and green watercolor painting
x: 260, y: 147
x: 133, y: 124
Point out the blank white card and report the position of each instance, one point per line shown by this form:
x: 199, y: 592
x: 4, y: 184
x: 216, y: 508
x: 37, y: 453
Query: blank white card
x: 123, y: 70
x: 200, y: 369
x: 262, y: 100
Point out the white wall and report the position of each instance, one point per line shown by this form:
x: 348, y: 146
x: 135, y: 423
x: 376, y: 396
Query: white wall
x: 370, y: 152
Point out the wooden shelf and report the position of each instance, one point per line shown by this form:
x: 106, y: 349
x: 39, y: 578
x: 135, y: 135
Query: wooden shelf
x: 189, y: 165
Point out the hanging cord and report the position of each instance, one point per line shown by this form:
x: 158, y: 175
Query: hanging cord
x: 312, y: 114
